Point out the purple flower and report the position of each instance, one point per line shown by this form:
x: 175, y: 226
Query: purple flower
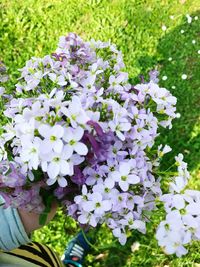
x: 78, y: 177
x: 11, y: 176
x: 153, y: 75
x: 96, y: 126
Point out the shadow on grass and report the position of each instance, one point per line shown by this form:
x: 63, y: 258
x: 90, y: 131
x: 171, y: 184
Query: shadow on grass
x: 184, y: 136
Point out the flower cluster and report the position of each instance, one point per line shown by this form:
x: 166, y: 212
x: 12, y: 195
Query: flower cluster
x: 12, y: 183
x: 80, y: 130
x: 182, y: 223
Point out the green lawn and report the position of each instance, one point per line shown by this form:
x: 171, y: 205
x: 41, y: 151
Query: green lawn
x: 32, y: 28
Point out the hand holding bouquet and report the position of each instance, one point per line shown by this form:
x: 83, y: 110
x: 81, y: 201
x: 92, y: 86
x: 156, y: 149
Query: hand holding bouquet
x: 78, y: 131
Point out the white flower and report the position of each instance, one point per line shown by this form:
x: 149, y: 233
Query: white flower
x: 52, y: 138
x: 9, y: 132
x: 117, y: 232
x: 82, y: 198
x: 59, y: 164
x: 60, y: 80
x: 193, y: 207
x: 33, y: 80
x: 119, y: 127
x: 88, y: 218
x: 30, y: 152
x: 97, y: 204
x: 62, y: 181
x: 73, y: 137
x: 35, y: 111
x: 88, y: 84
x: 92, y: 175
x: 161, y: 151
x: 124, y: 176
x: 73, y: 84
x: 135, y: 246
x: 132, y: 223
x: 171, y: 234
x: 94, y: 69
x: 164, y: 78
x: 184, y: 76
x: 24, y: 128
x: 180, y: 163
x: 175, y: 247
x: 116, y: 82
x: 54, y: 100
x: 164, y: 28
x: 75, y: 112
x: 120, y: 122
x: 189, y: 18
x: 106, y: 192
x: 178, y: 185
x: 178, y: 202
x: 94, y: 98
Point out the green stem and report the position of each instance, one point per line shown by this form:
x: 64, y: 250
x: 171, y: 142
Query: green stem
x: 168, y: 173
x: 87, y: 241
x: 91, y: 245
x: 171, y: 167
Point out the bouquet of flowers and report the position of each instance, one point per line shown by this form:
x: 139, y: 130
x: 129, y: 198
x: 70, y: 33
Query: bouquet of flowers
x: 77, y: 130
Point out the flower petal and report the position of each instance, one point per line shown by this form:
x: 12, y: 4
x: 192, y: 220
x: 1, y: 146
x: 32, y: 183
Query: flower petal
x: 133, y: 179
x: 46, y: 146
x: 124, y: 185
x: 58, y: 146
x: 80, y: 148
x: 83, y: 219
x: 62, y: 182
x: 44, y: 130
x: 51, y: 181
x: 67, y: 152
x: 64, y: 167
x: 68, y: 135
x: 57, y: 130
x: 88, y: 206
x: 78, y: 134
x: 124, y: 168
x: 53, y: 170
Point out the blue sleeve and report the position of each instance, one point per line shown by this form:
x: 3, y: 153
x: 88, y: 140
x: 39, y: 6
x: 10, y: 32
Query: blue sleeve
x: 12, y: 232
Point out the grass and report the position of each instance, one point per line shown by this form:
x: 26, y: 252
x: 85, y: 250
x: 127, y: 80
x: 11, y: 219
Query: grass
x: 32, y: 28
